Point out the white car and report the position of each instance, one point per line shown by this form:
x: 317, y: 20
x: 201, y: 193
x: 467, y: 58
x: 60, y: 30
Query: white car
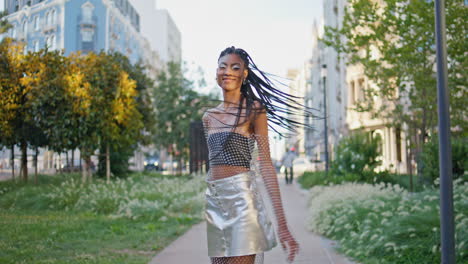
x: 302, y: 164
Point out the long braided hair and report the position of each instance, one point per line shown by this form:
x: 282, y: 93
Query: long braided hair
x: 279, y: 105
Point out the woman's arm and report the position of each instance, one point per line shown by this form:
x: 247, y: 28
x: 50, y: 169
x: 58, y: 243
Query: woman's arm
x: 270, y: 179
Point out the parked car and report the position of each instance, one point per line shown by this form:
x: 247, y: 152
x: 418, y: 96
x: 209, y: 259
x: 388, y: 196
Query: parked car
x: 152, y: 164
x: 69, y: 168
x: 302, y: 164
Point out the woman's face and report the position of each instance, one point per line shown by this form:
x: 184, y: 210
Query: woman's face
x: 231, y: 72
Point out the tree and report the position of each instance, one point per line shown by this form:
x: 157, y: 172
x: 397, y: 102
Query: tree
x: 394, y: 42
x: 358, y: 154
x: 82, y: 80
x: 176, y: 105
x: 17, y: 97
x: 121, y: 152
x: 144, y: 88
x: 103, y: 100
x: 4, y: 24
x: 50, y: 108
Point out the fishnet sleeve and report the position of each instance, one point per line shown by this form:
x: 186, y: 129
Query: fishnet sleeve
x: 270, y: 180
x: 206, y: 123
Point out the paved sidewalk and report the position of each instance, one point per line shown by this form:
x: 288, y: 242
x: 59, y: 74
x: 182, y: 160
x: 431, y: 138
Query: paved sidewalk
x: 191, y: 248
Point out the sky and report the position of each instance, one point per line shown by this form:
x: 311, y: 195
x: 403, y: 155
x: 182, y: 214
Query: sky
x: 275, y: 33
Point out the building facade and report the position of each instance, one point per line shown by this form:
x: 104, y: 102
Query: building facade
x: 326, y: 82
x: 344, y: 86
x: 78, y: 25
x: 297, y: 87
x: 160, y: 29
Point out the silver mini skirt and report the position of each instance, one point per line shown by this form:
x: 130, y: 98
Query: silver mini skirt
x: 237, y: 221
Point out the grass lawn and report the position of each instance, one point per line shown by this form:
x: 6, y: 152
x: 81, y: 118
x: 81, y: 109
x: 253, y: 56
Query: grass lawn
x: 31, y: 232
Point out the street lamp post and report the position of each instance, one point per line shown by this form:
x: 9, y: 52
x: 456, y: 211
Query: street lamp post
x: 325, y: 128
x: 445, y: 151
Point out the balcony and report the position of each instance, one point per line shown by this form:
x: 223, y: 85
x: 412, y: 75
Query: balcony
x: 87, y: 23
x: 49, y: 28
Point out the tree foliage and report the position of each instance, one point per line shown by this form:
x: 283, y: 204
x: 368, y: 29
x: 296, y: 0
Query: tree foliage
x: 394, y: 41
x: 430, y: 158
x: 4, y: 24
x: 17, y: 95
x: 357, y: 154
x: 64, y: 103
x: 176, y: 105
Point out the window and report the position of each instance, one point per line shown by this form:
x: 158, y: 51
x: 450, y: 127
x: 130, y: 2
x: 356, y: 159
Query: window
x: 352, y: 93
x: 52, y: 17
x: 360, y: 90
x: 48, y: 42
x: 52, y: 42
x: 47, y: 18
x: 36, y: 23
x: 87, y: 35
x: 398, y: 143
x: 25, y: 27
x: 36, y: 45
x: 87, y: 11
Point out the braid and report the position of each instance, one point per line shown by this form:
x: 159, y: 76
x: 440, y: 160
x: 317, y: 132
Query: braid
x: 277, y: 104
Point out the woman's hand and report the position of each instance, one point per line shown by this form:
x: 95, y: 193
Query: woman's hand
x: 289, y: 244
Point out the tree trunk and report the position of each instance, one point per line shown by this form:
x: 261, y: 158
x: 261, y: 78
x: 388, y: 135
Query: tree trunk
x: 411, y: 183
x: 66, y: 158
x: 84, y: 169
x: 108, y: 172
x: 24, y: 160
x: 409, y: 169
x: 84, y: 177
x: 179, y: 167
x: 89, y: 174
x: 35, y: 165
x: 12, y: 162
x: 72, y: 164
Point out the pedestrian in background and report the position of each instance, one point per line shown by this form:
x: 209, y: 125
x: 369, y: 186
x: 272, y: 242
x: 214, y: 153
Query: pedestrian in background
x: 287, y: 160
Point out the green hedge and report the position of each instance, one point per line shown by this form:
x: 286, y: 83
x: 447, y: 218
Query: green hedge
x: 385, y: 224
x: 311, y: 179
x: 430, y: 158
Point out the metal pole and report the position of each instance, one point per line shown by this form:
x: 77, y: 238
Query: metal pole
x: 445, y: 150
x: 325, y: 127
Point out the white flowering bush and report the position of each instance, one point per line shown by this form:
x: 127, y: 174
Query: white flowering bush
x: 143, y: 197
x: 386, y: 224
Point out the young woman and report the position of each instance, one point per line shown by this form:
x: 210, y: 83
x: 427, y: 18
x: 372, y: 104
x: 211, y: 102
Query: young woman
x: 238, y: 227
